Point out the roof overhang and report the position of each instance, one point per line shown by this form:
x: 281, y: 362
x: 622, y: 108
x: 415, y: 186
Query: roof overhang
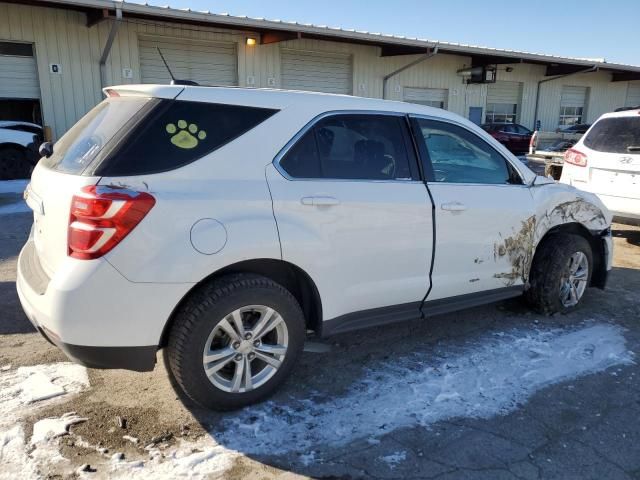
x: 272, y: 31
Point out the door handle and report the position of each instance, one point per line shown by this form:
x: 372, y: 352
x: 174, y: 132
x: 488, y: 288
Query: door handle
x: 454, y: 206
x: 319, y: 201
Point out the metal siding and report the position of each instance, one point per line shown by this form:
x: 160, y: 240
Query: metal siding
x: 633, y: 95
x: 319, y: 72
x: 61, y: 36
x: 203, y: 62
x: 18, y: 77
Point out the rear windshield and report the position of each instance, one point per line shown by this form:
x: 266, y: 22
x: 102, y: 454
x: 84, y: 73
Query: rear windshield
x: 132, y: 136
x: 82, y: 144
x: 615, y: 135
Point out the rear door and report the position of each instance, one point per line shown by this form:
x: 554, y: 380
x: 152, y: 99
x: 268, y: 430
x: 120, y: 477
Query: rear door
x: 352, y: 212
x: 484, y: 213
x: 613, y: 156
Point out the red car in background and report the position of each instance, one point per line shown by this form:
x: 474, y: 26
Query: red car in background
x: 513, y: 136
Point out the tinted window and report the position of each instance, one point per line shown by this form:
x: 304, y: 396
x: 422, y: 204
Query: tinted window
x: 178, y: 133
x: 522, y: 130
x: 615, y: 135
x: 353, y: 147
x: 302, y: 160
x: 459, y: 156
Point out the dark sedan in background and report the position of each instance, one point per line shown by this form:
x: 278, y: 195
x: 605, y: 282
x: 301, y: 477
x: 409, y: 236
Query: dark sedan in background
x: 513, y: 136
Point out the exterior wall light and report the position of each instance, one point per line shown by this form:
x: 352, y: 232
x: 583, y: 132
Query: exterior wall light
x: 251, y: 41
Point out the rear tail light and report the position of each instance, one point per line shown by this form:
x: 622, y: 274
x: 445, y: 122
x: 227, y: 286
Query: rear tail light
x: 101, y: 217
x: 574, y: 157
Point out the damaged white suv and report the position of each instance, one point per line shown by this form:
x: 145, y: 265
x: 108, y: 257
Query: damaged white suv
x: 226, y: 225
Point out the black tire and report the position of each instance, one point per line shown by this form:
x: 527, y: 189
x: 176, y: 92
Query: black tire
x: 550, y: 265
x: 13, y: 163
x: 203, y: 310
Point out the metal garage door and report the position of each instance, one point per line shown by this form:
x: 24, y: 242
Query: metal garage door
x: 633, y: 95
x: 18, y: 72
x: 572, y: 105
x: 503, y: 101
x: 207, y: 63
x: 573, y: 96
x: 432, y: 97
x: 318, y: 72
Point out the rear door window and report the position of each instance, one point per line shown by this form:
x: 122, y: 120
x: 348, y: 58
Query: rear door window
x: 353, y: 147
x: 615, y: 135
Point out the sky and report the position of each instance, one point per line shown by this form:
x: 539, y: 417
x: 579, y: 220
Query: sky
x: 575, y: 28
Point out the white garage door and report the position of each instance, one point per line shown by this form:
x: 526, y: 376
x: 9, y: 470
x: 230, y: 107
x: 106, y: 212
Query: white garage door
x: 503, y: 101
x: 207, y: 63
x: 633, y: 95
x: 573, y: 101
x: 432, y: 97
x: 18, y: 72
x: 318, y: 72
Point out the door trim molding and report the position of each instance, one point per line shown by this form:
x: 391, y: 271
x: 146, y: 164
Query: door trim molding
x: 376, y: 317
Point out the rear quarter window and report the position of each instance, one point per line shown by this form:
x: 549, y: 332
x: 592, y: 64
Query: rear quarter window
x: 615, y: 135
x: 177, y: 133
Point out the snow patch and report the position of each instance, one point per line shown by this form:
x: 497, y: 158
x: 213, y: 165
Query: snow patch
x: 394, y: 459
x: 49, y: 428
x: 489, y: 376
x: 192, y: 460
x: 27, y: 385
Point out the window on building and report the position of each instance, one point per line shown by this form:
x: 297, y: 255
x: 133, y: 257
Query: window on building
x: 570, y: 116
x: 16, y: 49
x: 501, y: 113
x: 351, y: 147
x: 459, y: 156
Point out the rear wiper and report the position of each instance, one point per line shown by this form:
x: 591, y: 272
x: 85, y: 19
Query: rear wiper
x: 633, y: 148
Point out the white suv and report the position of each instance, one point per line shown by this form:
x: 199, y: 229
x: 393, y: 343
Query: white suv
x: 226, y: 225
x: 606, y: 161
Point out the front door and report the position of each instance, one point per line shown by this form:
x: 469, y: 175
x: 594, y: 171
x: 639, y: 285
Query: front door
x: 352, y: 212
x: 484, y: 214
x: 475, y: 115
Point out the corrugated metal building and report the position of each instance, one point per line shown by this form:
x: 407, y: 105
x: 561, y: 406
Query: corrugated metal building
x: 55, y: 56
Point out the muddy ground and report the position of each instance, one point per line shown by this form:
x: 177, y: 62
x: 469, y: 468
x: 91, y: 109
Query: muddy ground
x: 586, y: 427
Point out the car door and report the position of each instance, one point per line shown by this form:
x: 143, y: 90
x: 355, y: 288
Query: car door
x: 352, y: 212
x: 483, y: 212
x: 522, y: 136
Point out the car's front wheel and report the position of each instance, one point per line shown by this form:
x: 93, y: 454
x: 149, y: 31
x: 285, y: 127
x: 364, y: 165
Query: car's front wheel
x: 560, y: 274
x: 235, y: 340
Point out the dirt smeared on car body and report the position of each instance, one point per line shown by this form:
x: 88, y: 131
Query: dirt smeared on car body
x: 520, y: 247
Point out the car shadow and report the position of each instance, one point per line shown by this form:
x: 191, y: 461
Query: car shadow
x: 342, y: 414
x: 12, y: 317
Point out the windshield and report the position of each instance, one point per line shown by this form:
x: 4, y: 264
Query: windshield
x: 615, y: 135
x: 86, y: 139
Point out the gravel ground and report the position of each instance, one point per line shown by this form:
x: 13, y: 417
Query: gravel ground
x: 580, y: 423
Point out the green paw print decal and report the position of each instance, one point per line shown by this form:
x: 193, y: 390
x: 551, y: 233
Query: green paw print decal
x: 185, y: 135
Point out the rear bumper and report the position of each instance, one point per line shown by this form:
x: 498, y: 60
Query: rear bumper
x: 95, y: 315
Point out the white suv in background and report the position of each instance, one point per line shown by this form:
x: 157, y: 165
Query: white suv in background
x: 606, y: 161
x: 227, y: 224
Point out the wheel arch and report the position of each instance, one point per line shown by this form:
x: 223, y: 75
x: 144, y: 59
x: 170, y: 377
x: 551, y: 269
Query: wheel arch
x: 290, y: 276
x: 599, y: 274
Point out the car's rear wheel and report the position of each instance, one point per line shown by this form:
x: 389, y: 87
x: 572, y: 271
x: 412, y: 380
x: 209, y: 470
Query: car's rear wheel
x: 13, y: 163
x: 235, y: 340
x: 560, y: 274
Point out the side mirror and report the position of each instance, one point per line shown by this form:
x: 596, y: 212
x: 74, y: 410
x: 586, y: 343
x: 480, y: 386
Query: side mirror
x: 46, y: 149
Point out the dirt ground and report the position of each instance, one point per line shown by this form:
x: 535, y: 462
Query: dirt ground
x: 585, y: 427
